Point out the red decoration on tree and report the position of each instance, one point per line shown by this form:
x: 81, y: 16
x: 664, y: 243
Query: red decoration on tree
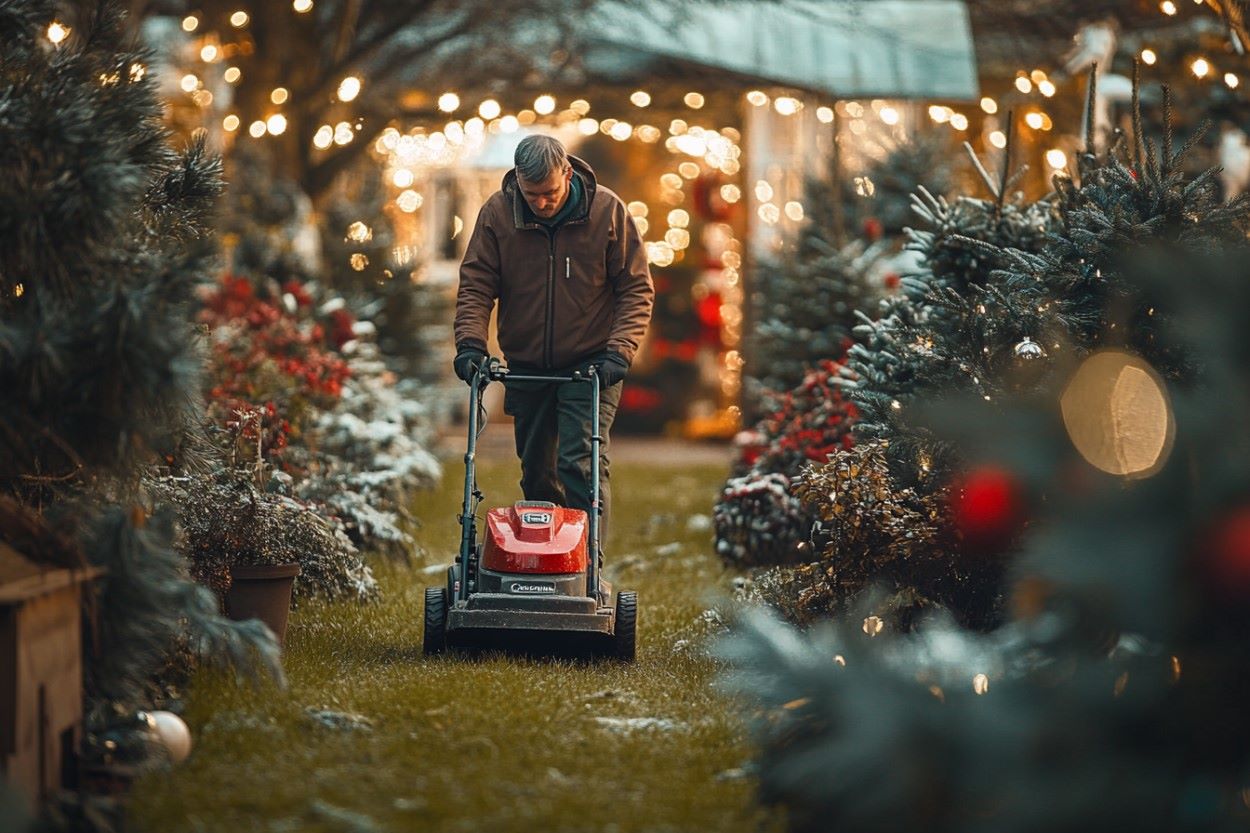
x: 891, y: 281
x: 988, y: 509
x: 1227, y: 555
x: 873, y: 230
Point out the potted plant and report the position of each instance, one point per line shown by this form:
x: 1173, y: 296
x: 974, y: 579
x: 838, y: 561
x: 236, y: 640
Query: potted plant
x: 250, y: 542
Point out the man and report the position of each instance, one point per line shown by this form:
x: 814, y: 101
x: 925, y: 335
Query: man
x: 566, y: 263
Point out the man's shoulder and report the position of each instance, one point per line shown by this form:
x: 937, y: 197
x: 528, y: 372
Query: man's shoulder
x: 496, y: 205
x: 606, y: 198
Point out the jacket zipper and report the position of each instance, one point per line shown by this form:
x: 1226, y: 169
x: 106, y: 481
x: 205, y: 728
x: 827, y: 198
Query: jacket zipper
x: 550, y: 335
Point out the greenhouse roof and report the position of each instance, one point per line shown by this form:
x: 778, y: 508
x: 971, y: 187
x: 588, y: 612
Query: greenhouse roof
x: 845, y: 49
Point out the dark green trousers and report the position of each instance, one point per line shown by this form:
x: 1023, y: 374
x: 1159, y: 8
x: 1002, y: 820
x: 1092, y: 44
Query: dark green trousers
x: 553, y: 442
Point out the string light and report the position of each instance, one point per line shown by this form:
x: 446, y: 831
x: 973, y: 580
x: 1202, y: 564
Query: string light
x: 1201, y: 67
x: 256, y: 129
x: 1056, y: 158
x: 279, y: 95
x: 640, y: 98
x: 694, y: 101
x: 276, y: 124
x: 730, y: 193
x: 209, y: 53
x: 324, y: 137
x: 757, y: 98
x: 824, y: 115
x: 1033, y: 119
x: 959, y: 121
x: 544, y: 105
x: 794, y: 210
x: 588, y: 127
x: 343, y: 133
x: 302, y: 6
x: 489, y: 109
x: 189, y: 83
x: 580, y: 106
x: 1046, y: 88
x: 232, y: 75
x: 448, y: 102
x: 1231, y: 80
x: 763, y: 191
x: 998, y: 139
x: 889, y: 115
x: 190, y: 23
x: 239, y: 19
x: 1023, y: 84
x: 230, y: 123
x: 349, y: 88
x: 940, y: 114
x: 989, y: 105
x: 1149, y: 57
x: 787, y: 106
x: 409, y: 201
x: 403, y: 178
x: 509, y: 124
x: 1167, y: 7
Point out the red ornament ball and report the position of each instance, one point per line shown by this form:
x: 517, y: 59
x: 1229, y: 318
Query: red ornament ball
x: 987, y: 508
x: 1227, y: 561
x: 873, y: 230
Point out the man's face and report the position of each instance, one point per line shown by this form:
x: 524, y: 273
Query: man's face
x: 547, y: 197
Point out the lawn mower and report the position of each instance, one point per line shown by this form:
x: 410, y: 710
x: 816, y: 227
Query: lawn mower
x: 535, y: 580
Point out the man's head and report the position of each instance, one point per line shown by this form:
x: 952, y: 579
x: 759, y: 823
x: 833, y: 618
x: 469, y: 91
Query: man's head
x: 543, y: 174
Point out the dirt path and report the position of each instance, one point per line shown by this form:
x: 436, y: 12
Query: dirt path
x: 493, y: 743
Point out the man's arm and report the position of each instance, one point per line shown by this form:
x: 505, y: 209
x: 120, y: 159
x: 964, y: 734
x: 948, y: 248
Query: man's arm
x: 631, y: 284
x: 479, y: 285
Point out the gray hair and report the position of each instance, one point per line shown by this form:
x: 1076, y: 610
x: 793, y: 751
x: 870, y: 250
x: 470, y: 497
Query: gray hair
x: 538, y: 156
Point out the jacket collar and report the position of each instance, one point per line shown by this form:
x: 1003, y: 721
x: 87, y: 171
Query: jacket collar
x: 580, y: 169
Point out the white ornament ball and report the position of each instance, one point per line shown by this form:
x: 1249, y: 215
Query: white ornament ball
x: 174, y: 734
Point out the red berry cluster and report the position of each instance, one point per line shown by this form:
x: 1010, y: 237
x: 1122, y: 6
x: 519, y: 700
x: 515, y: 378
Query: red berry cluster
x: 275, y: 362
x: 806, y: 424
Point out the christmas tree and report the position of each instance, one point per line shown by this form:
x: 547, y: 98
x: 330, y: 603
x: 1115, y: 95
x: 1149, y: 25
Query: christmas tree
x: 1115, y: 695
x: 104, y: 235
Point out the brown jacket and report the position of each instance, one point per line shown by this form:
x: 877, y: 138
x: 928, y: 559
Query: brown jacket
x: 564, y: 294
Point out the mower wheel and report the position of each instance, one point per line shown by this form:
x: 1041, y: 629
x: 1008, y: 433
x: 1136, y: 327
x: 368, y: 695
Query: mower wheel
x: 624, y: 639
x: 435, y: 621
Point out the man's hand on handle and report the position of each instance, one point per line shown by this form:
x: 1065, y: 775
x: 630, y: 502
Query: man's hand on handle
x: 611, y: 366
x: 467, y: 361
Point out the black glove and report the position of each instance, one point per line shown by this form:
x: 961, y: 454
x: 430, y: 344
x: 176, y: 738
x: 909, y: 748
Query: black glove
x: 612, y: 368
x: 467, y: 361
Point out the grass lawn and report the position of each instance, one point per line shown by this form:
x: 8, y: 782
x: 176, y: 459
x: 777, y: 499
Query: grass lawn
x: 489, y: 743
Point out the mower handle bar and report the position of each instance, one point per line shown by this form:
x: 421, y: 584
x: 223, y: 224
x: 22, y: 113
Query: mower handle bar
x: 494, y: 371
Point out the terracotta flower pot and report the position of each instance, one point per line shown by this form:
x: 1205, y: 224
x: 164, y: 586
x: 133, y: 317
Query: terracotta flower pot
x: 262, y: 592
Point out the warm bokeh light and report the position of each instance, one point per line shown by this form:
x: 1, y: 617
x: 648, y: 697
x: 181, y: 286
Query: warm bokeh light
x: 239, y: 19
x: 1056, y: 158
x: 276, y: 124
x: 1201, y: 67
x: 640, y: 98
x: 349, y: 88
x: 1118, y: 414
x: 693, y: 100
x: 448, y: 102
x: 1148, y: 57
x: 544, y: 105
x: 279, y: 95
x: 489, y: 109
x: 989, y: 105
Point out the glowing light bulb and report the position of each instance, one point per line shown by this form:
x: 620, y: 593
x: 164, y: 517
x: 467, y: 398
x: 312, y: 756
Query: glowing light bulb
x: 889, y: 115
x: 189, y: 23
x: 230, y: 123
x: 448, y: 102
x: 1046, y: 88
x: 757, y: 98
x: 640, y: 98
x: 588, y: 127
x: 232, y: 75
x: 239, y: 19
x: 256, y: 129
x: 1023, y: 84
x: 209, y: 53
x: 824, y: 115
x: 989, y: 105
x: 324, y: 137
x: 1201, y: 67
x: 998, y: 139
x: 959, y: 121
x: 693, y: 100
x: 1231, y: 80
x: 787, y: 106
x: 302, y: 6
x: 276, y: 124
x: 349, y: 88
x: 403, y: 178
x: 544, y: 105
x: 489, y: 109
x: 279, y: 95
x: 189, y: 83
x: 1167, y: 7
x: 1033, y: 120
x: 1056, y: 158
x: 1148, y: 56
